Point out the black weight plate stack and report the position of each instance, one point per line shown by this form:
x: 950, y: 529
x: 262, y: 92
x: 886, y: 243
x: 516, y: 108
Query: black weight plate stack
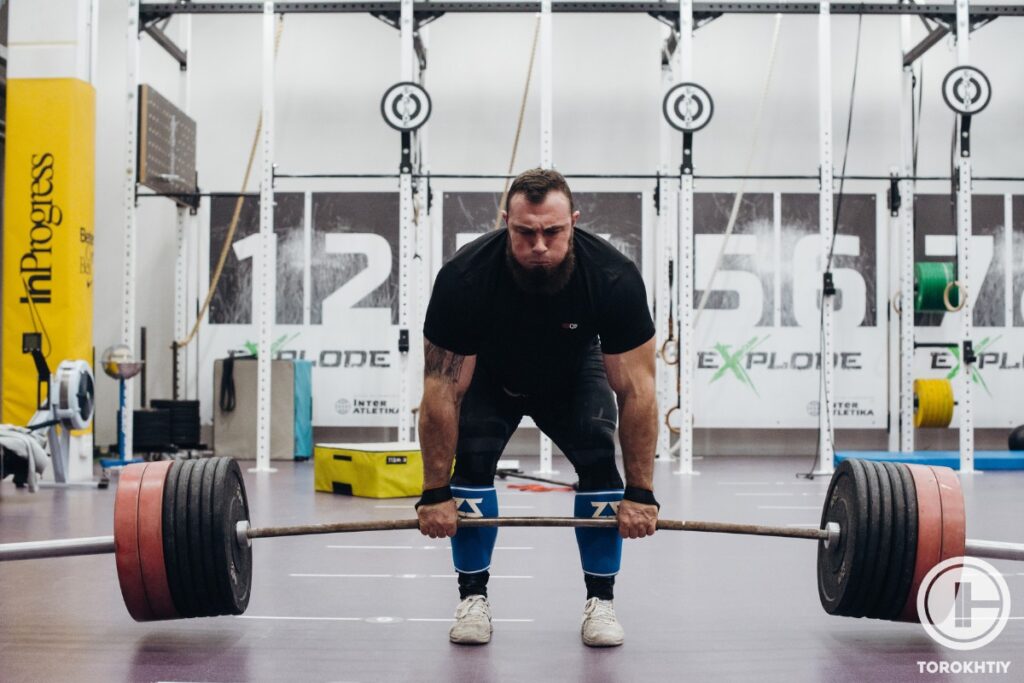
x: 197, y: 549
x: 206, y: 522
x: 188, y: 606
x: 841, y: 566
x: 209, y: 572
x: 184, y: 421
x: 152, y: 430
x: 883, y: 530
x: 232, y: 559
x: 170, y: 541
x: 895, y: 608
x: 865, y: 583
x: 897, y: 551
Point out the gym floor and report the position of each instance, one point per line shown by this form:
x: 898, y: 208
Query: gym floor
x: 377, y: 606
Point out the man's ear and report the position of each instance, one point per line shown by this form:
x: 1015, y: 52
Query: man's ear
x: 504, y: 217
x: 575, y: 217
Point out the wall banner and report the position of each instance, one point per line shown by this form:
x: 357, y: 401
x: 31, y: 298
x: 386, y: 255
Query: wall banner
x: 758, y: 342
x: 48, y: 231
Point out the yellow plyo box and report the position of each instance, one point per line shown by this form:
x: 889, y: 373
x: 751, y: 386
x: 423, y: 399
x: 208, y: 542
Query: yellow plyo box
x: 368, y: 470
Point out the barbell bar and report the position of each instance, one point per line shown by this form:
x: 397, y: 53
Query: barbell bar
x: 99, y: 545
x: 182, y: 539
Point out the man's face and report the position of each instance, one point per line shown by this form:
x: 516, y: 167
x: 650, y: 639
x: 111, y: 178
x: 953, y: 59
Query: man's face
x: 540, y: 235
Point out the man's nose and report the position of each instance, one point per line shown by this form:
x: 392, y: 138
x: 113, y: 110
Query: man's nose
x: 540, y: 245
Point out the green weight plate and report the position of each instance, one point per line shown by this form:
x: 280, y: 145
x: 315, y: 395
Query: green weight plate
x: 930, y: 281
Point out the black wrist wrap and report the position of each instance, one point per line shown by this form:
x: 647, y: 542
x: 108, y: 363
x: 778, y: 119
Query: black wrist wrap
x: 635, y: 494
x: 434, y: 496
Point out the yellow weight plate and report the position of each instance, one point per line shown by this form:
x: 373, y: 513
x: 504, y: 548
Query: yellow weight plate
x: 934, y: 399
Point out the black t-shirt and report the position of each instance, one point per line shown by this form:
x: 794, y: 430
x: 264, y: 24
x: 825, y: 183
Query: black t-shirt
x: 534, y: 342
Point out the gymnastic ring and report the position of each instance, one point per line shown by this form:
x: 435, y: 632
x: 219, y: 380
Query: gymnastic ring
x: 674, y: 360
x: 894, y: 301
x: 668, y: 423
x: 962, y: 293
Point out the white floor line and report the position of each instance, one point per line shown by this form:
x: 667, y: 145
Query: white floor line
x: 287, y: 618
x: 395, y: 576
x: 514, y: 621
x: 341, y: 575
x: 771, y: 493
x: 375, y: 547
x: 410, y: 507
x: 255, y: 616
x: 788, y: 507
x: 418, y: 547
x: 824, y: 483
x: 493, y: 576
x: 816, y: 494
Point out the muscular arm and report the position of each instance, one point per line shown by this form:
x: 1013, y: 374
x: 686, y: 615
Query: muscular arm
x: 631, y: 376
x: 446, y: 377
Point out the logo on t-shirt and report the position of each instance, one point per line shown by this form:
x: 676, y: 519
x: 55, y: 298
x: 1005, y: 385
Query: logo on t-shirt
x: 569, y: 326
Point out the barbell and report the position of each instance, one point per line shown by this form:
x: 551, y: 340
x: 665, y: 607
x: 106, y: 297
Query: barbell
x: 183, y: 543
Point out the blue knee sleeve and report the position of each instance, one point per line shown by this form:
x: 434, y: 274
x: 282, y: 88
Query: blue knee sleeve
x: 600, y: 549
x: 472, y: 548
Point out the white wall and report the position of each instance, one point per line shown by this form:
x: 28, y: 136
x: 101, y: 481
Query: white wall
x: 332, y: 71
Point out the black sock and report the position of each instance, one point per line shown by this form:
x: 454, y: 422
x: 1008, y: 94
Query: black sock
x: 602, y: 587
x: 473, y: 584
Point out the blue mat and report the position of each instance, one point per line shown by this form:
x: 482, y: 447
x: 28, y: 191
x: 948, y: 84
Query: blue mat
x: 983, y: 460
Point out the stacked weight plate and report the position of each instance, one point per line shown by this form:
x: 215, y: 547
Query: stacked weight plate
x: 174, y: 533
x: 184, y: 421
x: 152, y: 430
x: 898, y: 521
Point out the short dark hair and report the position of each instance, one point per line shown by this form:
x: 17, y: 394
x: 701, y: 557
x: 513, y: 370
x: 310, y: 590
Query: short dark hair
x: 536, y: 183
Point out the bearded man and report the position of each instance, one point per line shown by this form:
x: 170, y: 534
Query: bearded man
x: 542, y: 319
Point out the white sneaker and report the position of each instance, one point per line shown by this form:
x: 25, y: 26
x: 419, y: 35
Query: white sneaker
x: 472, y: 622
x: 600, y: 627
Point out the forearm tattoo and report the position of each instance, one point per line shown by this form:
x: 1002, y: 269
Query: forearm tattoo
x: 438, y: 362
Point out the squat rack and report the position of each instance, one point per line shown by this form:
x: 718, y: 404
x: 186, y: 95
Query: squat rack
x: 683, y: 16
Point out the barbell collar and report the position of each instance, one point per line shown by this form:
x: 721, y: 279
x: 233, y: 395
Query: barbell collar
x: 832, y: 531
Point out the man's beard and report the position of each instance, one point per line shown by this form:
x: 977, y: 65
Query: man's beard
x: 541, y: 279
